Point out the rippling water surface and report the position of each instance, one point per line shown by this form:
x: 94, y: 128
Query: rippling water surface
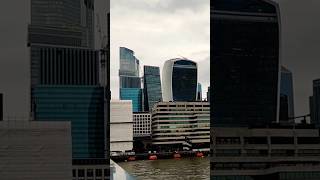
x: 171, y: 169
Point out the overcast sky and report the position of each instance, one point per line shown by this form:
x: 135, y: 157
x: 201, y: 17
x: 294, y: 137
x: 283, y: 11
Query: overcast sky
x: 159, y: 30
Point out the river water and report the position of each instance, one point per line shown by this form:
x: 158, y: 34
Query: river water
x: 171, y: 169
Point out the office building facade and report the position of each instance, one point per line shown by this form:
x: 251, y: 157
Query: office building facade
x: 282, y: 153
x: 133, y: 94
x: 286, y: 91
x: 35, y: 150
x: 130, y: 82
x: 245, y: 62
x: 1, y: 107
x: 83, y: 106
x: 141, y: 124
x: 70, y: 22
x: 315, y: 103
x: 175, y: 124
x: 66, y: 75
x: 179, y: 80
x: 152, y: 87
x: 121, y: 125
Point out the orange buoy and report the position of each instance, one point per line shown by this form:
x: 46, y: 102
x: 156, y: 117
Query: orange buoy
x: 176, y: 155
x: 153, y: 157
x: 131, y: 158
x: 199, y: 154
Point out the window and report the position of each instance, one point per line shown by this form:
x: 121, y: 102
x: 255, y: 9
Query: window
x: 89, y: 172
x: 80, y: 172
x: 98, y: 172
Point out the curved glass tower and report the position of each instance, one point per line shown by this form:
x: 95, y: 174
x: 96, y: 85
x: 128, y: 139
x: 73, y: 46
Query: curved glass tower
x: 245, y: 62
x: 180, y: 79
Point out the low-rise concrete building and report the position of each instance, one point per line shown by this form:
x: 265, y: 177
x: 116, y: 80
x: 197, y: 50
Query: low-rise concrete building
x: 121, y: 125
x: 33, y: 150
x: 287, y: 153
x: 176, y: 125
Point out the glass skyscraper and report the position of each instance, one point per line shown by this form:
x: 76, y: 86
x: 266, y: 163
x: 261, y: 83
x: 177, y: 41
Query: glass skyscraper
x: 315, y: 103
x: 62, y: 22
x: 152, y: 87
x: 133, y: 94
x: 180, y: 80
x: 245, y: 63
x: 65, y: 74
x: 130, y: 82
x: 286, y: 93
x: 83, y: 106
x: 199, y: 92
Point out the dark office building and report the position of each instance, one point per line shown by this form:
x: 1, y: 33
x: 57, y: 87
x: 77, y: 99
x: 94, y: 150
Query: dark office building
x: 64, y: 66
x: 83, y: 106
x: 1, y: 107
x: 66, y: 74
x: 284, y: 108
x: 152, y: 87
x: 208, y: 94
x: 179, y: 80
x: 62, y: 22
x: 315, y: 103
x: 311, y: 109
x: 245, y: 63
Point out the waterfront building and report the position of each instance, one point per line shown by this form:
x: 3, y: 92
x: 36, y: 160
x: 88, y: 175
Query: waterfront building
x: 286, y: 91
x: 141, y: 124
x: 199, y: 92
x: 179, y: 80
x: 315, y: 104
x: 1, y: 106
x: 245, y: 62
x: 121, y: 125
x: 34, y: 150
x: 152, y: 87
x: 277, y: 152
x: 130, y: 82
x: 176, y: 124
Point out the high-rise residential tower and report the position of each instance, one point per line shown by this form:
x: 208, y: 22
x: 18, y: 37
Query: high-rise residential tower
x: 179, y: 80
x: 130, y: 82
x: 245, y: 63
x: 152, y: 87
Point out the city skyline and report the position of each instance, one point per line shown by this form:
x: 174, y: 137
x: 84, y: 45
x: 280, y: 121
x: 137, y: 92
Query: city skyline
x: 163, y: 34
